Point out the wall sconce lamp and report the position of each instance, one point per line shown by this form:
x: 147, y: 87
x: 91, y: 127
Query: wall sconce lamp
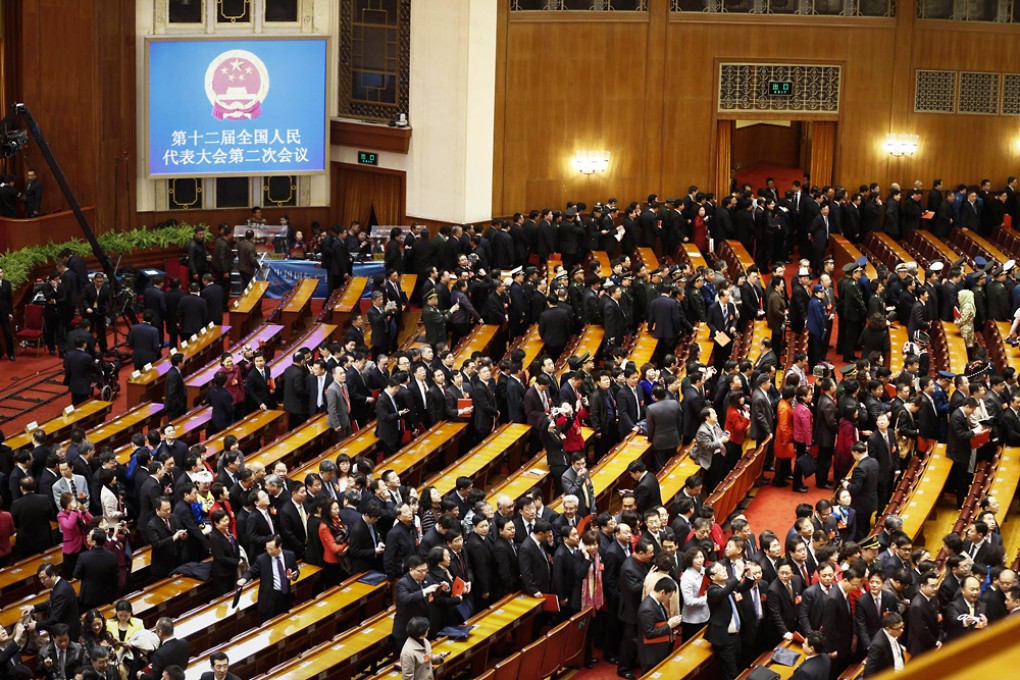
x: 590, y: 162
x: 901, y: 145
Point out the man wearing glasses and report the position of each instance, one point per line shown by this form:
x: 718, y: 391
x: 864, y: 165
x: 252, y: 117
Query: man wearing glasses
x: 413, y: 598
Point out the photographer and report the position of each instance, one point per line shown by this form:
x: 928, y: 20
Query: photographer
x: 74, y: 524
x: 551, y: 437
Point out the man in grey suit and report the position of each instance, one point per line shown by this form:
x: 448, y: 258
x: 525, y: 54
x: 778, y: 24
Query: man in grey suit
x: 577, y: 481
x: 338, y: 404
x: 664, y: 421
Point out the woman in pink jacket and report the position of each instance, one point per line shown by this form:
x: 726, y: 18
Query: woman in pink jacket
x: 803, y: 434
x: 74, y: 525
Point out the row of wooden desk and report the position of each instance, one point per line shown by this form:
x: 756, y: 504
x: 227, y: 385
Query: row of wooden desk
x: 975, y: 244
x: 881, y: 241
x: 246, y: 311
x: 198, y: 350
x: 608, y: 475
x: 956, y: 348
x: 478, y: 340
x: 933, y: 248
x: 844, y: 252
x: 84, y: 415
x: 506, y: 444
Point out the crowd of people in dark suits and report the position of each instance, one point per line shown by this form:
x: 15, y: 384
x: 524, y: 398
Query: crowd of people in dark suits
x: 658, y: 571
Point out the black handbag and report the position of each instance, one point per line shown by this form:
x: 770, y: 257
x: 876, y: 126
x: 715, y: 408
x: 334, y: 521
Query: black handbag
x: 806, y: 464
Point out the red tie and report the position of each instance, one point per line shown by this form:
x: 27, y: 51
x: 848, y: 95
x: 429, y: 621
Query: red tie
x: 803, y: 571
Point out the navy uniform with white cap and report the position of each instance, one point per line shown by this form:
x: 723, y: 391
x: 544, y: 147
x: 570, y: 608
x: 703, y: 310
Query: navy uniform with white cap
x: 931, y: 283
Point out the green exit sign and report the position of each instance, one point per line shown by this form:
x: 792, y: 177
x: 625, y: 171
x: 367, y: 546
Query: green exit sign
x: 781, y: 88
x: 368, y: 158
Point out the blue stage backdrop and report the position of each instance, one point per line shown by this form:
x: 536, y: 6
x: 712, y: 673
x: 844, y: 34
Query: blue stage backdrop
x: 245, y: 107
x: 285, y: 274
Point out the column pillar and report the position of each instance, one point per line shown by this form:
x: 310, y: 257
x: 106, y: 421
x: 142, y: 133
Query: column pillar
x: 452, y: 108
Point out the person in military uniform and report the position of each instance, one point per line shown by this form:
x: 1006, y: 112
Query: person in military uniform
x: 435, y: 319
x: 854, y: 310
x: 627, y: 302
x: 998, y: 296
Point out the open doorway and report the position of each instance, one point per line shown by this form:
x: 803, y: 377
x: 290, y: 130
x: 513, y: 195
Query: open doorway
x: 773, y: 148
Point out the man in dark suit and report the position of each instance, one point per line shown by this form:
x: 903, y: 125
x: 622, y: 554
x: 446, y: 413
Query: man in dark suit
x: 61, y: 607
x: 62, y: 657
x: 192, y: 311
x: 96, y: 570
x: 215, y: 299
x: 293, y: 520
x: 783, y: 604
x: 630, y: 583
x: 484, y: 402
x: 839, y: 621
x: 380, y: 318
x: 317, y: 381
x: 863, y: 487
x: 811, y: 612
x: 555, y: 327
x: 413, y: 598
x: 693, y: 403
x: 295, y: 390
x: 885, y: 651
x: 871, y: 607
x: 176, y: 400
x: 816, y: 665
x: 365, y: 540
x: 655, y: 628
x: 259, y: 385
x: 31, y: 513
x: 143, y: 339
x: 958, y: 448
x: 154, y: 300
x: 165, y: 534
x: 630, y: 403
x: 647, y: 493
x: 924, y: 618
x: 389, y: 422
x: 723, y: 630
x: 967, y: 605
x: 220, y: 664
x: 664, y: 422
x: 535, y: 561
x: 277, y: 570
x: 96, y: 304
x: 722, y: 319
x: 171, y: 652
x: 80, y: 372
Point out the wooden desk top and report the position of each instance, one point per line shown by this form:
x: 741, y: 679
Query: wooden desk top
x: 919, y: 504
x: 955, y: 347
x: 203, y: 342
x: 684, y: 661
x: 84, y: 411
x: 605, y: 267
x: 11, y: 614
x: 155, y: 594
x: 614, y: 465
x: 26, y: 568
x: 992, y: 249
x: 351, y: 296
x: 247, y: 427
x: 340, y: 650
x: 493, y: 446
x: 672, y: 477
x: 125, y: 421
x: 260, y: 336
x: 354, y: 446
x: 481, y: 337
x: 643, y: 348
x: 300, y: 620
x: 532, y: 346
x: 302, y: 296
x: 743, y: 257
x: 694, y: 256
x: 947, y: 252
x: 253, y: 296
x: 407, y: 282
x: 517, y: 484
x: 423, y: 447
x: 1004, y: 486
x: 899, y: 251
x: 897, y: 338
x: 220, y: 609
x: 850, y: 253
x: 648, y: 258
x: 307, y: 432
x: 490, y: 624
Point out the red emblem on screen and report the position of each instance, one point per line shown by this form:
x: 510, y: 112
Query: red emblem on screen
x: 236, y: 83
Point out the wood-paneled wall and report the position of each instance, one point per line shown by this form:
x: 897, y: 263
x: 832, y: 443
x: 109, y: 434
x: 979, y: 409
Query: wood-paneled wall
x: 643, y: 87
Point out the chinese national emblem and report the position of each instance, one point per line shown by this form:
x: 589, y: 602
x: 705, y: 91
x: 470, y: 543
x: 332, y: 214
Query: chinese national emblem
x: 236, y: 83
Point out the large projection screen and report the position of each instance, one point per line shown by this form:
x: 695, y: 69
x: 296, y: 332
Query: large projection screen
x: 236, y: 107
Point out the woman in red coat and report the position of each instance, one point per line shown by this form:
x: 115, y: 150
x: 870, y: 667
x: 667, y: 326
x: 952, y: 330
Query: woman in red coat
x: 783, y: 449
x: 700, y: 230
x: 737, y: 421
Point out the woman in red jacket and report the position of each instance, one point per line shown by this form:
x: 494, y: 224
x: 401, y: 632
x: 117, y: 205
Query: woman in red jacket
x: 783, y: 449
x: 74, y: 525
x: 333, y: 536
x: 737, y: 422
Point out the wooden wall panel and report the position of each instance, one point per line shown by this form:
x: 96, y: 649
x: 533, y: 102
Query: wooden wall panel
x: 662, y: 131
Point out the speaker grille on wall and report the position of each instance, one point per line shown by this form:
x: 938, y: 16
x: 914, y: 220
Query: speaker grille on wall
x: 809, y: 88
x: 935, y: 92
x: 1011, y: 94
x: 979, y: 93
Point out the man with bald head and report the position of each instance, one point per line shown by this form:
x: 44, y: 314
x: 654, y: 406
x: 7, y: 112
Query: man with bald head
x: 965, y: 613
x: 994, y: 599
